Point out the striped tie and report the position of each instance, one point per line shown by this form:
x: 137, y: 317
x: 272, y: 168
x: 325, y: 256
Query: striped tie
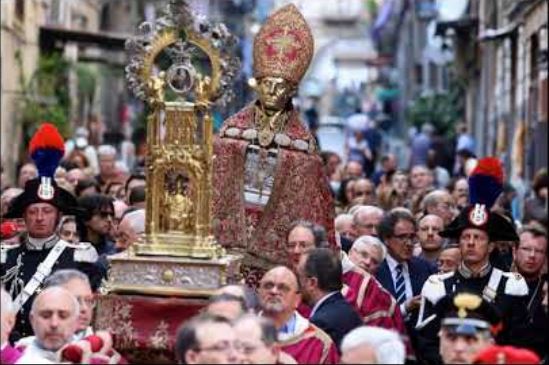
x: 400, y: 287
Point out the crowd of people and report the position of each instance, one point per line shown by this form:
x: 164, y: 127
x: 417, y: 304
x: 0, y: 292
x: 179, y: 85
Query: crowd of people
x: 403, y: 243
x: 431, y: 264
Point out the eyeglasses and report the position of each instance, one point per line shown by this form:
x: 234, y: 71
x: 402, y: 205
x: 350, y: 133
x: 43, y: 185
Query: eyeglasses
x: 412, y: 237
x: 281, y: 287
x: 106, y: 215
x: 89, y: 301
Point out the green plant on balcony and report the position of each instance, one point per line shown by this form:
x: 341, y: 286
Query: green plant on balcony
x: 442, y: 110
x: 45, y: 95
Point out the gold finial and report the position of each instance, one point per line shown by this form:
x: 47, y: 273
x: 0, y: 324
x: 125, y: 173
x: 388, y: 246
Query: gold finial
x: 466, y: 301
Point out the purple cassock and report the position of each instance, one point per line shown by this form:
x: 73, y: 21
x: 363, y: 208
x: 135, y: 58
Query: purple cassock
x: 9, y: 355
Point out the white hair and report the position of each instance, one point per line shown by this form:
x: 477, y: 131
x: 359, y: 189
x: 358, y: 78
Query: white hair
x: 342, y: 219
x: 363, y: 241
x: 6, y: 301
x: 362, y: 210
x: 106, y: 150
x: 387, y: 344
x: 60, y: 290
x: 136, y: 219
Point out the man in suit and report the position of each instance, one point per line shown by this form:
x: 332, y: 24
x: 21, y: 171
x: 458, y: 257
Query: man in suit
x: 319, y: 273
x: 400, y: 273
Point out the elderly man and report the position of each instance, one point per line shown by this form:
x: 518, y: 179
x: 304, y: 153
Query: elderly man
x: 366, y: 218
x: 429, y: 239
x: 305, y: 342
x: 207, y: 339
x: 8, y: 354
x: 449, y: 259
x: 319, y: 273
x: 374, y: 304
x: 368, y: 253
x: 372, y: 345
x: 78, y: 284
x: 42, y: 205
x: 440, y: 203
x: 54, y: 319
x: 344, y: 226
x: 258, y: 341
x: 530, y: 258
x: 106, y: 155
x: 130, y: 228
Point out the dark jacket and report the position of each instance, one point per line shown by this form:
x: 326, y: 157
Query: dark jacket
x: 517, y: 325
x: 336, y: 317
x: 420, y: 270
x: 30, y: 259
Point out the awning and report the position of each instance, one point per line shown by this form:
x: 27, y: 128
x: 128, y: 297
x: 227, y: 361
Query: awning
x: 459, y: 25
x: 500, y: 33
x: 50, y: 37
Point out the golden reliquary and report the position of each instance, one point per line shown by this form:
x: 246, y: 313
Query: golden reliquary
x: 180, y: 66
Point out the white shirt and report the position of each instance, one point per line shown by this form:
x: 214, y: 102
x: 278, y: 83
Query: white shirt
x: 392, y: 263
x: 34, y: 354
x: 322, y: 300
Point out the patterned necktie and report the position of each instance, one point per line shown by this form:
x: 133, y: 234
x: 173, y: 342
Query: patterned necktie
x: 400, y: 287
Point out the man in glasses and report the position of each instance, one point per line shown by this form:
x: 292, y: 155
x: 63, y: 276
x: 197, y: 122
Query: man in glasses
x: 207, y: 339
x: 97, y: 220
x: 279, y: 297
x: 530, y: 259
x: 401, y: 273
x: 375, y: 305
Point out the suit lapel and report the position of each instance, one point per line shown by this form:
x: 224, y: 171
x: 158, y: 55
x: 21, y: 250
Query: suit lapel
x: 415, y: 277
x: 385, y: 278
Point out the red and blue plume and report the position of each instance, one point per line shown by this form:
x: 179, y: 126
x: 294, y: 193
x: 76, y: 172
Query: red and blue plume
x: 46, y: 149
x: 486, y: 182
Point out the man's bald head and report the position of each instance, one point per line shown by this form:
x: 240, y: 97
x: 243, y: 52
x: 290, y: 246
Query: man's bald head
x: 284, y: 273
x: 54, y: 317
x: 279, y: 292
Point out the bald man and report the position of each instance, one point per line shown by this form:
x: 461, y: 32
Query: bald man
x: 54, y: 320
x: 279, y: 297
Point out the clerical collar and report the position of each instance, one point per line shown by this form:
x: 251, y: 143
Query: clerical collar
x: 36, y: 244
x: 468, y: 273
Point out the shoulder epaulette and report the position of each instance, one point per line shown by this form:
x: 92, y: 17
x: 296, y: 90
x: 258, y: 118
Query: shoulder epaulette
x: 4, y: 249
x: 515, y: 285
x: 84, y: 252
x: 434, y: 288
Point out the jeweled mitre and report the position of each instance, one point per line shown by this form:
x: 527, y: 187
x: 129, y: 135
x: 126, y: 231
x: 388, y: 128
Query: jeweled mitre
x: 284, y: 46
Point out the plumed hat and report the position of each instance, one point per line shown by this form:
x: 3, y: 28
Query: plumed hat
x: 485, y: 186
x: 284, y: 46
x: 46, y: 148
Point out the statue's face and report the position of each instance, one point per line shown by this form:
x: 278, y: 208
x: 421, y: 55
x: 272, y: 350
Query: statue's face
x: 275, y: 93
